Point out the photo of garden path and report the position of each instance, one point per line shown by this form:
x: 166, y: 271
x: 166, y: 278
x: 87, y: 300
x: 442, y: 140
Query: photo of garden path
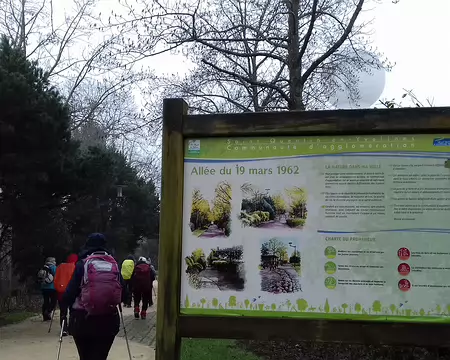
x: 210, y: 219
x: 282, y: 210
x: 280, y: 272
x: 223, y: 269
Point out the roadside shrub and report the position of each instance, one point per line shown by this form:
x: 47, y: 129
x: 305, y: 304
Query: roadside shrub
x: 225, y: 266
x: 263, y: 215
x: 296, y: 222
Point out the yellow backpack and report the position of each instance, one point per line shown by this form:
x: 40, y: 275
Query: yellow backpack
x: 127, y: 269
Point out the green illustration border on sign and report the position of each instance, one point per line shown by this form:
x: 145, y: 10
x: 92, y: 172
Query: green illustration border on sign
x: 301, y: 309
x: 273, y: 147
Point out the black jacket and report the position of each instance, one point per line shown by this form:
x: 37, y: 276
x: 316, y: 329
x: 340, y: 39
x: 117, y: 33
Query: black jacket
x: 79, y: 323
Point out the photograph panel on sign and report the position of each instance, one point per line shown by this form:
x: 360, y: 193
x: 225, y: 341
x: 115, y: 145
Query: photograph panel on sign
x: 264, y: 208
x: 210, y: 215
x: 281, y: 265
x: 221, y: 268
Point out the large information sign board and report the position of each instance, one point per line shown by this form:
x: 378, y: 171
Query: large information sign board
x: 351, y: 227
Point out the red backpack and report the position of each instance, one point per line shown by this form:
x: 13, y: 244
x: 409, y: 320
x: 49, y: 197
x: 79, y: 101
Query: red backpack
x: 63, y: 276
x: 101, y: 291
x: 142, y: 277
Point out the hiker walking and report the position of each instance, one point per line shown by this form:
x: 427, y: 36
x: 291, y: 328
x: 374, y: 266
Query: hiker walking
x: 45, y: 277
x: 93, y: 295
x: 142, y: 280
x: 63, y: 275
x: 127, y: 271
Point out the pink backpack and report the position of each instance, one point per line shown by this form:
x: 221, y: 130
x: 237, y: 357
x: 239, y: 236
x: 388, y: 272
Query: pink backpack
x: 101, y: 291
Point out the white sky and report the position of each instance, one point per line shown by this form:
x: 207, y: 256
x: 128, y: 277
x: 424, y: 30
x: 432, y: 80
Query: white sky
x: 414, y: 34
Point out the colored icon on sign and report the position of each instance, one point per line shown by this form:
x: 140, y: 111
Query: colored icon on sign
x: 330, y: 283
x: 403, y: 253
x: 404, y: 285
x: 330, y: 252
x: 330, y: 267
x: 404, y: 269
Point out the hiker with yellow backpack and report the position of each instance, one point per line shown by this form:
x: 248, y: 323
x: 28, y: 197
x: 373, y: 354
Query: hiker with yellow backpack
x: 127, y: 271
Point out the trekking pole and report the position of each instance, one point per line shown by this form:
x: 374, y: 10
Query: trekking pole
x: 125, y: 332
x: 61, y: 338
x: 51, y: 320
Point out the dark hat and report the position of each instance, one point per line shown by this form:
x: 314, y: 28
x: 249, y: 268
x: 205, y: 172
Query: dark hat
x: 96, y: 240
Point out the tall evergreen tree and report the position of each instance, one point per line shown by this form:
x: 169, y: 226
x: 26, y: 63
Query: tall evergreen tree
x: 36, y: 155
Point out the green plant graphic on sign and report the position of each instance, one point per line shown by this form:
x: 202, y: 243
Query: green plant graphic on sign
x: 302, y: 305
x: 330, y: 252
x: 330, y: 267
x: 247, y: 303
x: 330, y: 283
x: 376, y: 306
x: 392, y: 308
x: 302, y: 309
x: 215, y: 302
x: 327, y: 307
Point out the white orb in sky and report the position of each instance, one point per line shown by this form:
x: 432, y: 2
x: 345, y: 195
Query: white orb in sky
x: 370, y: 85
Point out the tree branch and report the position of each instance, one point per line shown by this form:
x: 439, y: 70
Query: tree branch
x: 336, y: 45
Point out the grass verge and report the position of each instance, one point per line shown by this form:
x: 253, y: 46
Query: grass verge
x: 206, y: 349
x: 198, y: 232
x: 14, y: 317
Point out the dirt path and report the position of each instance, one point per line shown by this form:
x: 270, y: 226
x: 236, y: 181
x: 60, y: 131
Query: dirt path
x: 213, y: 231
x: 31, y: 340
x: 273, y: 225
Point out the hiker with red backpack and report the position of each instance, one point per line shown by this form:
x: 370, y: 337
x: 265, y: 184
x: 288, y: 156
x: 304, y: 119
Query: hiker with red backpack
x: 63, y: 276
x: 94, y: 294
x: 142, y: 283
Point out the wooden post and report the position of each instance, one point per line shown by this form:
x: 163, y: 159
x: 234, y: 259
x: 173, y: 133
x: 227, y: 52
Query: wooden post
x: 171, y: 224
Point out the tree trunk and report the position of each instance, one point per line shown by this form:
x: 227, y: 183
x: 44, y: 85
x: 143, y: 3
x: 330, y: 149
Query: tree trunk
x: 23, y: 32
x: 295, y: 71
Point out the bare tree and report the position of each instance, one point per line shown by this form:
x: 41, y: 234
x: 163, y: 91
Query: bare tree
x: 71, y: 48
x: 255, y: 55
x: 411, y: 101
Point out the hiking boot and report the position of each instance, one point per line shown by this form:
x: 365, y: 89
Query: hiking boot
x: 143, y: 315
x: 136, y: 312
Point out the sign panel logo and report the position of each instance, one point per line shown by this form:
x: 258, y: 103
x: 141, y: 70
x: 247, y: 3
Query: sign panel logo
x: 193, y: 147
x: 441, y: 142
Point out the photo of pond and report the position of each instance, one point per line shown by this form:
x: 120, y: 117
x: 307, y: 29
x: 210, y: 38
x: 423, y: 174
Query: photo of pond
x: 222, y: 269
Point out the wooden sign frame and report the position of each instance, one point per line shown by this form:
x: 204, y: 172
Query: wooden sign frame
x: 177, y: 126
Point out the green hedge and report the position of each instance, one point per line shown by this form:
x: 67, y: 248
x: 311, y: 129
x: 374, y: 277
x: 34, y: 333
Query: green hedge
x: 295, y: 222
x: 255, y: 218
